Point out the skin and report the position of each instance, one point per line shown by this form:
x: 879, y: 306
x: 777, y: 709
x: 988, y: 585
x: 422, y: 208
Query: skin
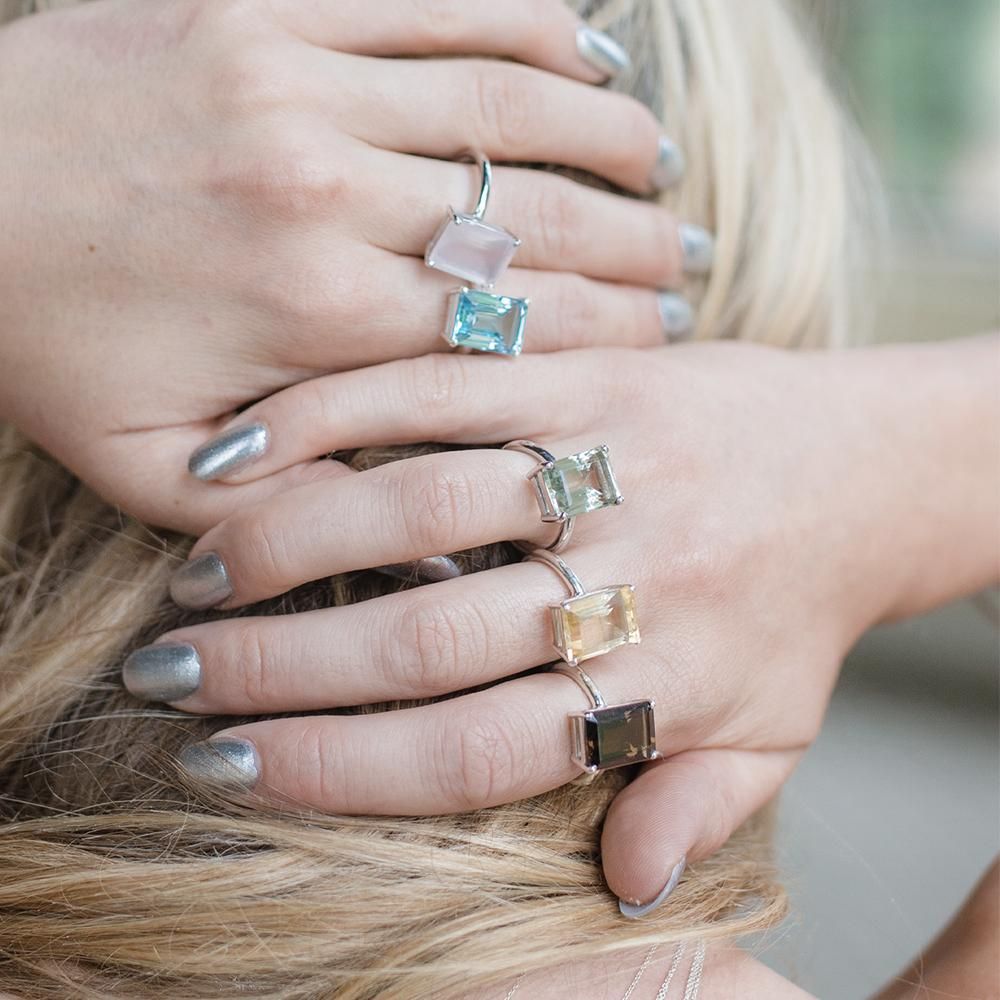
x: 267, y: 150
x: 215, y: 199
x: 743, y: 468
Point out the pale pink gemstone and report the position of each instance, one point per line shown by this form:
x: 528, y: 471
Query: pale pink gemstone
x: 472, y: 250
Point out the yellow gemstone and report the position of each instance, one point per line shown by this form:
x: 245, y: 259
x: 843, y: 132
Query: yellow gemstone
x: 595, y: 623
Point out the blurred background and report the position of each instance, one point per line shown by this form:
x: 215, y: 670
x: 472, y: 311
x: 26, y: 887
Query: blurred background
x: 895, y: 813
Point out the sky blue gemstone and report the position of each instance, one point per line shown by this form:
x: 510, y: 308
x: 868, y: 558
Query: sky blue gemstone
x: 482, y: 321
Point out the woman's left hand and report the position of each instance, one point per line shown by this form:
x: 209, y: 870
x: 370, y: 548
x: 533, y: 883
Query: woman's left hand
x: 753, y: 529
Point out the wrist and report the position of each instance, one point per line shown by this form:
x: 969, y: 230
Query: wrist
x: 924, y: 471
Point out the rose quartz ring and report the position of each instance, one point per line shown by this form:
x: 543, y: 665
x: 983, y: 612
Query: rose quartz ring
x: 479, y: 253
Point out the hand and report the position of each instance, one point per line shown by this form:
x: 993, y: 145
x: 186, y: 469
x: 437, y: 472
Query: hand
x: 209, y: 200
x: 749, y: 530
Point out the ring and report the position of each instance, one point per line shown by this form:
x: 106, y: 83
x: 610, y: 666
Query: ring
x: 589, y: 623
x: 606, y: 736
x: 479, y: 253
x: 567, y: 487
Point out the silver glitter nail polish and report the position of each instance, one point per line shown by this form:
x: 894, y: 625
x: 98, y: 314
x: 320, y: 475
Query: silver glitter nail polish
x: 698, y: 246
x: 635, y: 910
x: 167, y: 671
x: 223, y: 761
x: 601, y: 51
x: 433, y: 569
x: 676, y: 317
x: 201, y: 583
x: 670, y: 165
x: 230, y: 452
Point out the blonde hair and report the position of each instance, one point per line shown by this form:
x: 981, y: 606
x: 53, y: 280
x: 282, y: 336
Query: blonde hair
x: 117, y: 880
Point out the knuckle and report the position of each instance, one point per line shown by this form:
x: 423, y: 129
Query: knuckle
x: 439, y: 24
x: 506, y: 104
x: 439, y: 390
x: 267, y: 553
x: 481, y: 763
x: 284, y: 176
x: 438, y: 500
x: 578, y: 311
x: 307, y: 296
x: 433, y: 644
x: 252, y: 665
x: 560, y: 218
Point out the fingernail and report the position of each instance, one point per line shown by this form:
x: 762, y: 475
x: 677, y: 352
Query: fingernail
x: 676, y: 315
x: 230, y: 452
x: 698, y: 246
x: 670, y: 164
x: 223, y: 761
x: 201, y: 583
x: 601, y: 51
x: 434, y: 569
x: 167, y: 671
x: 635, y: 910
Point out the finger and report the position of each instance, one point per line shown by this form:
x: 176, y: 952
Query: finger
x: 511, y: 113
x: 422, y: 643
x: 469, y: 753
x: 160, y: 492
x: 447, y: 398
x: 394, y: 307
x: 680, y: 809
x: 395, y: 513
x: 543, y: 33
x: 563, y: 225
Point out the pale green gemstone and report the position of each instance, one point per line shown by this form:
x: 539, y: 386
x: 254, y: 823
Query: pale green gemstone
x: 580, y: 484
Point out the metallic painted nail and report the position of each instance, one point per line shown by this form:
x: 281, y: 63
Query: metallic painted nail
x: 601, y: 51
x: 698, y: 246
x: 201, y: 583
x: 670, y: 165
x: 167, y: 671
x: 229, y: 452
x: 676, y: 316
x: 635, y: 910
x: 223, y: 761
x: 434, y: 569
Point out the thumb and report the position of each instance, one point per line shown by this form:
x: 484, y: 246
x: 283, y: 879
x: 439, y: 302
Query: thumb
x: 680, y: 809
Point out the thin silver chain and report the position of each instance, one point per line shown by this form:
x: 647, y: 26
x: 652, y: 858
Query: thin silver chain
x: 671, y: 972
x: 694, y: 976
x: 691, y: 989
x: 640, y: 973
x: 515, y: 988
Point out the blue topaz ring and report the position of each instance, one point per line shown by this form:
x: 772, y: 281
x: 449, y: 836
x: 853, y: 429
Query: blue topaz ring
x: 567, y: 487
x: 469, y: 248
x: 606, y: 736
x: 589, y: 623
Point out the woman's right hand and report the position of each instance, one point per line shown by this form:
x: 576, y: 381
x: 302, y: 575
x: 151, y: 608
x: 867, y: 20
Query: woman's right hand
x: 204, y: 201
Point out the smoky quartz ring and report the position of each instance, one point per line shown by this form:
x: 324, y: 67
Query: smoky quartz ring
x: 606, y: 736
x: 469, y: 248
x: 567, y: 487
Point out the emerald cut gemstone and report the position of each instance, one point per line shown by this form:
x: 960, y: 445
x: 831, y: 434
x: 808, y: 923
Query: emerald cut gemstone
x: 482, y: 321
x: 471, y: 249
x: 577, y: 485
x: 595, y: 623
x: 614, y: 736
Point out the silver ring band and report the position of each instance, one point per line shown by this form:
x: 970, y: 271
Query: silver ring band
x: 572, y: 581
x: 546, y: 461
x: 583, y: 680
x: 486, y: 184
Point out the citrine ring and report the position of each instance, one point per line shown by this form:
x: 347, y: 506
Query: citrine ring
x: 589, y: 623
x: 567, y: 487
x: 606, y: 736
x: 479, y: 253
